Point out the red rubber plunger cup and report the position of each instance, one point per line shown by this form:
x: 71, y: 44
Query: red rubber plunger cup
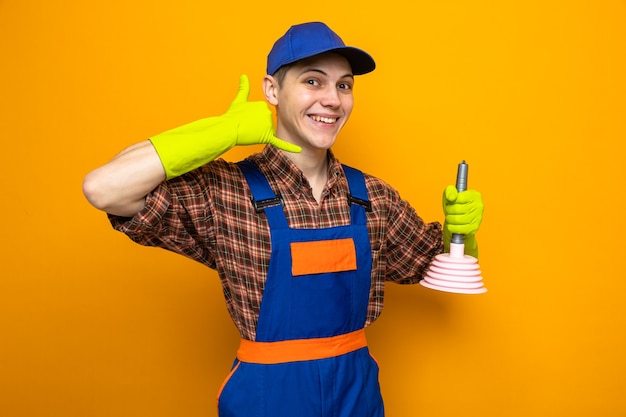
x: 455, y: 272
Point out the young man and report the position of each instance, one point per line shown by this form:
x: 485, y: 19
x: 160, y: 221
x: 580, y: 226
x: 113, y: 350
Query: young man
x: 303, y: 245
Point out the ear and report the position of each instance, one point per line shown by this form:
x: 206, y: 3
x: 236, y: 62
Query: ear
x: 270, y: 88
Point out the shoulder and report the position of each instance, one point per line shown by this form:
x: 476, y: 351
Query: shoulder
x: 379, y: 189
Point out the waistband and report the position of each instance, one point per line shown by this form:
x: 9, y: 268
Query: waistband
x: 300, y: 349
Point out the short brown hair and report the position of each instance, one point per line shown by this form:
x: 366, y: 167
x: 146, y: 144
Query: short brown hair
x: 281, y: 73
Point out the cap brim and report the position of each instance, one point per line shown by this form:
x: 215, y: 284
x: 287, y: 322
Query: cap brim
x: 360, y: 61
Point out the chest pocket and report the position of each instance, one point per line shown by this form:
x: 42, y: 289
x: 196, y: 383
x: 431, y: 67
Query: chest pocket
x: 321, y: 256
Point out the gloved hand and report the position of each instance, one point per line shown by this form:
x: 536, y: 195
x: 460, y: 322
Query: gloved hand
x: 463, y: 215
x: 190, y: 146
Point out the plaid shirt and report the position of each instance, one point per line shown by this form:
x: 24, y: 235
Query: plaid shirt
x: 207, y: 215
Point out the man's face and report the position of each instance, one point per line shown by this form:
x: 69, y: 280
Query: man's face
x: 314, y: 101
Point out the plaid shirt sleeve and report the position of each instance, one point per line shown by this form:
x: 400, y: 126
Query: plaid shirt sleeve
x: 402, y: 243
x: 175, y: 218
x: 409, y: 243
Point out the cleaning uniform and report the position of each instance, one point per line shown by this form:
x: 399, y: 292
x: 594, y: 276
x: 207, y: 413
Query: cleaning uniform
x: 310, y: 356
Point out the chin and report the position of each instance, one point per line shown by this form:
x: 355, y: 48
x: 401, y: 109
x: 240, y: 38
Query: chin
x: 322, y: 142
x: 322, y: 146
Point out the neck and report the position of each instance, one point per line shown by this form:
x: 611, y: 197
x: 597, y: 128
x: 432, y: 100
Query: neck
x: 314, y: 167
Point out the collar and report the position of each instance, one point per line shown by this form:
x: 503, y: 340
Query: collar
x: 285, y: 171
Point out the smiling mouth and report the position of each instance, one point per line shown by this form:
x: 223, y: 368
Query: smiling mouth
x: 327, y: 120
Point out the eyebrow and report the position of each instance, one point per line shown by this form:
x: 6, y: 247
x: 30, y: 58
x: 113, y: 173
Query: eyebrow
x: 313, y: 69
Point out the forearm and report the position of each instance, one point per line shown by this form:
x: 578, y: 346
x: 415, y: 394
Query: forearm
x: 120, y: 186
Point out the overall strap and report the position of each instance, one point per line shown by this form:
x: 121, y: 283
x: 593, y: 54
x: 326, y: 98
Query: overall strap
x: 263, y: 197
x: 357, y: 196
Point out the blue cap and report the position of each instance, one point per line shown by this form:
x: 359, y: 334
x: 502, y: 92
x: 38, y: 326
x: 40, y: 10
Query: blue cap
x: 310, y: 39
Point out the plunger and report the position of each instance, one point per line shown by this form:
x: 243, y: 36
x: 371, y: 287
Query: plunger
x: 455, y: 271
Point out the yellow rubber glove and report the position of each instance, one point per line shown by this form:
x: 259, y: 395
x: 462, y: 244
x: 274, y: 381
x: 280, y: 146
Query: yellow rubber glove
x: 190, y: 146
x: 463, y: 215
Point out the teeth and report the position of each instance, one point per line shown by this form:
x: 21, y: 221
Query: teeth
x: 324, y: 119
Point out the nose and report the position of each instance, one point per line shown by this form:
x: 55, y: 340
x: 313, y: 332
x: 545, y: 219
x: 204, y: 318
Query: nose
x: 330, y: 97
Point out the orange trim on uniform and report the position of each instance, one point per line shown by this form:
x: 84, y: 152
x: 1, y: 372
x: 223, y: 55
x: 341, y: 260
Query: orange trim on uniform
x: 230, y: 374
x: 300, y: 349
x: 322, y: 256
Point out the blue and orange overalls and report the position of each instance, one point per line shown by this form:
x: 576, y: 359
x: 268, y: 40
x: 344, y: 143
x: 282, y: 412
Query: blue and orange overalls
x: 310, y: 357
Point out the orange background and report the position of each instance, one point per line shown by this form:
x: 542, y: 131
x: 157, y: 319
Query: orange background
x: 531, y: 93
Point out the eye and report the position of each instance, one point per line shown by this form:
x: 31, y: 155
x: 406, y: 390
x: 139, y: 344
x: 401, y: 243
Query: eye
x: 312, y: 82
x: 344, y: 86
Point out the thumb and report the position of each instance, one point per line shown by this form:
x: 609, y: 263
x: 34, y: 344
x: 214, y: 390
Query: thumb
x: 450, y: 194
x: 285, y: 146
x: 244, y: 90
